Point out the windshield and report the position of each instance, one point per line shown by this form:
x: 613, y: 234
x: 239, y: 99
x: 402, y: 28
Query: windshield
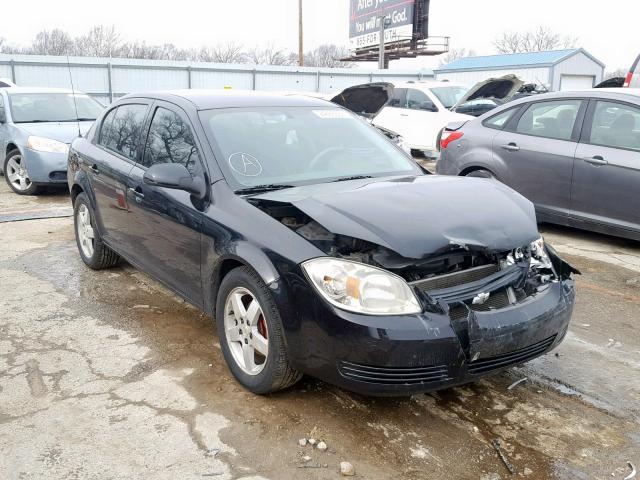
x: 449, y: 96
x: 300, y: 145
x: 52, y: 107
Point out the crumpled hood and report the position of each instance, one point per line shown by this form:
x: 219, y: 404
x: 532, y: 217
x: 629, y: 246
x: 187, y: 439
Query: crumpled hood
x: 61, y: 131
x: 419, y: 216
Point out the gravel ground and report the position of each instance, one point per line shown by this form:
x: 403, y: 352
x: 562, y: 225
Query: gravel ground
x: 106, y: 375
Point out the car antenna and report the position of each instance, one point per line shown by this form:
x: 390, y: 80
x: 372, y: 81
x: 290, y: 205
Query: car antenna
x: 73, y: 95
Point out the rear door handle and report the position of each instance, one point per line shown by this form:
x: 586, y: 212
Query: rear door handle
x: 596, y: 160
x: 511, y: 147
x: 137, y: 194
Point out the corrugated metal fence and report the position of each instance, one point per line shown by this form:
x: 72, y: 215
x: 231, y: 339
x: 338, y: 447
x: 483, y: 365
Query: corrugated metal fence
x: 107, y: 79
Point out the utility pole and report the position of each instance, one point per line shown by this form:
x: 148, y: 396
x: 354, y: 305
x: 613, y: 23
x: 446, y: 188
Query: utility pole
x: 384, y: 23
x: 300, y: 44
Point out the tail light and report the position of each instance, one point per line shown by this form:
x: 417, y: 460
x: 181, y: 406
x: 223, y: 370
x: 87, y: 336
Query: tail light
x: 627, y: 79
x: 448, y: 137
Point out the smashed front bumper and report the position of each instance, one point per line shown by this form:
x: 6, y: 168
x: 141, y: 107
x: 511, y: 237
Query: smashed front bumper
x: 401, y: 355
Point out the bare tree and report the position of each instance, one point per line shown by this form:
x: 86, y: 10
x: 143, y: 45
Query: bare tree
x: 229, y: 52
x: 537, y: 40
x: 455, y: 54
x: 271, y: 55
x: 100, y: 41
x: 327, y: 55
x: 166, y: 51
x: 52, y: 42
x: 4, y: 46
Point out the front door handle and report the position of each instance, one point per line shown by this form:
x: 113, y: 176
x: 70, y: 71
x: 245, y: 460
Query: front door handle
x: 137, y: 194
x: 404, y: 114
x: 511, y: 147
x: 596, y: 160
x: 94, y: 169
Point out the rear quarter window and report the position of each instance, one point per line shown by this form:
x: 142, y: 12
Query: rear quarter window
x: 500, y: 120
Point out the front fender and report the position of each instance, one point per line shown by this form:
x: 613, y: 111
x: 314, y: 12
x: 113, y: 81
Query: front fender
x: 217, y: 257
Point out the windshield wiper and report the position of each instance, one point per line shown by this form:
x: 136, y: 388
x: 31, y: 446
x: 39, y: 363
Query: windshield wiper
x: 354, y: 177
x: 268, y: 187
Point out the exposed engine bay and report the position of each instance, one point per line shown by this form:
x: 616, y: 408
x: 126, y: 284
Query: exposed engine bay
x: 453, y: 280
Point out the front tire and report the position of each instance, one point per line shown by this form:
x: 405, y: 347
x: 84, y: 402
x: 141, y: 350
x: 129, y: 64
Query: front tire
x: 94, y: 253
x: 250, y: 333
x: 16, y: 175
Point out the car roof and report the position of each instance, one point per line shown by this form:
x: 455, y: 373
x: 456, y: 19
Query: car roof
x: 39, y: 90
x: 211, y: 99
x: 622, y: 94
x: 427, y: 84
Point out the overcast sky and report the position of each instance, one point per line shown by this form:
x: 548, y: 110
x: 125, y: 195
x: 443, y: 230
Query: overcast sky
x: 608, y: 31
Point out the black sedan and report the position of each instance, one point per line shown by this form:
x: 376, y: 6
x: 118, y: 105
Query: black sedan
x: 319, y: 246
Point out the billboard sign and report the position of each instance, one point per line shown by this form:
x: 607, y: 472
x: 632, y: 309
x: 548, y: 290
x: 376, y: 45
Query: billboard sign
x: 364, y: 26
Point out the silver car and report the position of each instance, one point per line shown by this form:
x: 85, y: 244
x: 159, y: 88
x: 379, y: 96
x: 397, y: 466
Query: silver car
x: 575, y: 155
x: 36, y: 127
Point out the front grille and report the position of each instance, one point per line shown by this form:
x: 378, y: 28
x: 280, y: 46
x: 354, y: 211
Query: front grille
x: 485, y: 365
x: 449, y: 280
x: 394, y: 375
x: 496, y: 301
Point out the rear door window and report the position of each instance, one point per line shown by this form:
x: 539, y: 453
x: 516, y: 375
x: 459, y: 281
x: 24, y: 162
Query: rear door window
x: 398, y: 99
x: 121, y: 129
x: 554, y: 119
x: 170, y: 140
x: 615, y: 125
x: 418, y: 100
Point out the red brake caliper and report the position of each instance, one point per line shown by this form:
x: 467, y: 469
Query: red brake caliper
x: 262, y: 327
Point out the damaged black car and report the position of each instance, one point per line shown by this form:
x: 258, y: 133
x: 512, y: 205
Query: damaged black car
x: 318, y: 246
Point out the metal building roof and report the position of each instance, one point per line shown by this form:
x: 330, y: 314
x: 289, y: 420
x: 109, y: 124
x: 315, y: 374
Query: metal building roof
x: 530, y: 59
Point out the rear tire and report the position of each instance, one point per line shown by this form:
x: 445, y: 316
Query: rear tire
x: 243, y: 335
x: 94, y: 253
x: 16, y: 175
x: 482, y: 173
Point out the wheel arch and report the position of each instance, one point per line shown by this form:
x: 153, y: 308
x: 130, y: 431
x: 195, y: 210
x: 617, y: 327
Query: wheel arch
x: 475, y: 168
x: 12, y: 146
x: 76, y: 190
x: 243, y: 255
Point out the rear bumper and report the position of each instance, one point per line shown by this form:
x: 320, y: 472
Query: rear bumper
x: 46, y: 167
x: 402, y: 355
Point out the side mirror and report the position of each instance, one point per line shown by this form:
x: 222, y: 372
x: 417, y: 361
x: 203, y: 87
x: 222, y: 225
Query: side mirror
x: 176, y: 176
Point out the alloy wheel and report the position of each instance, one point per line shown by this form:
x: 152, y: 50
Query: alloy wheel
x: 17, y: 173
x: 246, y: 331
x: 85, y: 231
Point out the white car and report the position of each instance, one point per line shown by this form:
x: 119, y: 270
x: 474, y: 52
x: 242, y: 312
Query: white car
x: 419, y: 111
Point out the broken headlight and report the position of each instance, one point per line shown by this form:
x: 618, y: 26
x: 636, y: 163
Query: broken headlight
x: 361, y: 288
x: 539, y: 257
